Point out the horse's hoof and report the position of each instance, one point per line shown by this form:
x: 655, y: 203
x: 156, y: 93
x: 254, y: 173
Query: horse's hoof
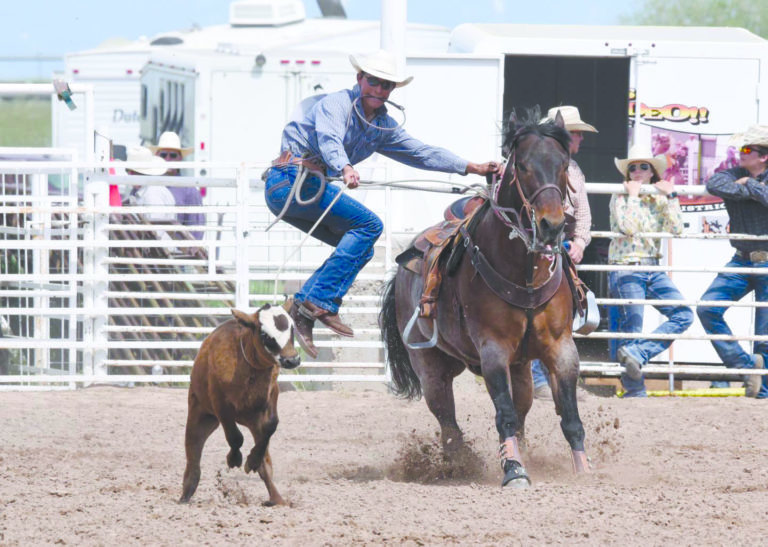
x: 515, y: 475
x: 234, y: 458
x: 517, y: 484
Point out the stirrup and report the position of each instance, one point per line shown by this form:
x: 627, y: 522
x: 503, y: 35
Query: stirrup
x: 591, y: 319
x: 431, y: 343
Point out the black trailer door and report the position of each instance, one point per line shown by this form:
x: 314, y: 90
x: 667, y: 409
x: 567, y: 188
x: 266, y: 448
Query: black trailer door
x: 599, y: 87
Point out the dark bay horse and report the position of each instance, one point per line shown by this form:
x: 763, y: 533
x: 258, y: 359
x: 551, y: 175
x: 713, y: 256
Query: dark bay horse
x: 507, y: 303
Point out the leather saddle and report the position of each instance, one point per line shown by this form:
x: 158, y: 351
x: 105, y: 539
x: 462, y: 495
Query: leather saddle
x: 430, y: 250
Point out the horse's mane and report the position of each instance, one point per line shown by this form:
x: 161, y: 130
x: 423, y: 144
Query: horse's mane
x: 531, y: 123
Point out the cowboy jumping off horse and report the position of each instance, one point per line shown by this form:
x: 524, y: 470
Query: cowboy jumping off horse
x: 335, y: 133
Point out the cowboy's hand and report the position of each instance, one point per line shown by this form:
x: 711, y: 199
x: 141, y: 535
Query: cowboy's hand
x: 350, y: 176
x: 576, y: 251
x: 665, y: 186
x: 742, y: 180
x: 487, y: 168
x: 632, y: 187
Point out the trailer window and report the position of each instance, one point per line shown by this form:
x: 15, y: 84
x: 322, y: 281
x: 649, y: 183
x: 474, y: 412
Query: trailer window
x: 143, y: 101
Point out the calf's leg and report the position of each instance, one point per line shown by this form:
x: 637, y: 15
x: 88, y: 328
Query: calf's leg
x: 200, y: 425
x: 265, y: 472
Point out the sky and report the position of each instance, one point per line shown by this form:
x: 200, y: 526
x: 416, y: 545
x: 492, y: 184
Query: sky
x: 45, y: 28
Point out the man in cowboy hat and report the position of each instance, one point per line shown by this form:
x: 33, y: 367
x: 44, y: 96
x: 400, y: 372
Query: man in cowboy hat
x: 169, y: 148
x: 578, y: 215
x: 744, y: 190
x: 335, y: 133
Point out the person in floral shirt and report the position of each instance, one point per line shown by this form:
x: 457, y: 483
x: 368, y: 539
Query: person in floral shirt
x: 633, y: 213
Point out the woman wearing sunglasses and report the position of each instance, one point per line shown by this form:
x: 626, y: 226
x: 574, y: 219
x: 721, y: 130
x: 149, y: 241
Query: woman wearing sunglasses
x: 744, y: 190
x: 334, y: 134
x: 633, y: 213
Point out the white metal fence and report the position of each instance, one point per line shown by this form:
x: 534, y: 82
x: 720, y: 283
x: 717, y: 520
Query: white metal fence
x: 93, y: 293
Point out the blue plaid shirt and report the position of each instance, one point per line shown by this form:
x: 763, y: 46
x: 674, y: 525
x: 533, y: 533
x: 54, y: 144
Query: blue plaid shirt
x: 331, y: 133
x: 747, y: 204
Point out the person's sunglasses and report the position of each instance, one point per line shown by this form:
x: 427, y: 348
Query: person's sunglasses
x: 169, y: 155
x: 750, y: 149
x: 642, y: 166
x: 373, y: 81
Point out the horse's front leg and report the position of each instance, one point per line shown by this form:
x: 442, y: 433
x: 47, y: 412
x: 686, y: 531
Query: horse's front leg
x: 564, y: 374
x: 494, y: 364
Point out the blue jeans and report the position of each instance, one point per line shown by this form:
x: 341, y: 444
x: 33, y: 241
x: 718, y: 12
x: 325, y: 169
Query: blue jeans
x: 734, y: 286
x: 629, y: 318
x: 540, y: 376
x: 349, y: 226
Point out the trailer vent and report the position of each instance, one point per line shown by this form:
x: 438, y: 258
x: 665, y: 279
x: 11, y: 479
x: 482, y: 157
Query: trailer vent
x: 269, y: 13
x: 166, y: 41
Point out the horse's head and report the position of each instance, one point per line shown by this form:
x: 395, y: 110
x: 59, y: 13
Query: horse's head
x: 536, y: 176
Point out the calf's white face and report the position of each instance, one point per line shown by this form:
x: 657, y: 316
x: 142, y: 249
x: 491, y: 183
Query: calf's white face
x: 276, y: 326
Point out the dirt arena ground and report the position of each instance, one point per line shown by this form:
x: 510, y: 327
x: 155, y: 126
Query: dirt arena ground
x: 103, y: 466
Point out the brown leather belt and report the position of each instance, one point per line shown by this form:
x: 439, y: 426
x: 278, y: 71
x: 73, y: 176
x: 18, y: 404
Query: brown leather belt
x: 286, y: 158
x: 753, y: 256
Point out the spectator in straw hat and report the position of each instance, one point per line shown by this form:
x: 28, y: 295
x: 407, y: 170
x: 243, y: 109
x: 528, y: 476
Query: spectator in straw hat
x: 578, y: 217
x: 149, y: 195
x: 169, y: 148
x: 331, y: 136
x: 744, y: 189
x: 633, y: 213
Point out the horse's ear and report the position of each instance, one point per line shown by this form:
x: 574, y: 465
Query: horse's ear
x: 559, y: 121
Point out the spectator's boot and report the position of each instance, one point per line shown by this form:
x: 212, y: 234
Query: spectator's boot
x: 329, y: 319
x: 753, y: 382
x: 302, y: 328
x: 631, y: 365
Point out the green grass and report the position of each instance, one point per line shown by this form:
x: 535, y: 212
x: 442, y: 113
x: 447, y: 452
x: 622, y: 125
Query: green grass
x: 25, y: 121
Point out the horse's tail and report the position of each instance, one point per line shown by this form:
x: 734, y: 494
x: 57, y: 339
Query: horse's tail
x: 406, y: 383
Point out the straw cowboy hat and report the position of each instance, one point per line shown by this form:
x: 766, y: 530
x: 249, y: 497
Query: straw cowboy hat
x: 381, y: 64
x: 144, y: 155
x: 640, y: 153
x: 756, y: 135
x: 571, y: 117
x: 170, y: 141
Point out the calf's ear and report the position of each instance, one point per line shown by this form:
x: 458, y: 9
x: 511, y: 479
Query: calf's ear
x: 250, y: 320
x: 288, y: 304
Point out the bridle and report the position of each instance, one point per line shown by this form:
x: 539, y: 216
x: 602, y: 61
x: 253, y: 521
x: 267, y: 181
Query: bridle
x: 516, y: 226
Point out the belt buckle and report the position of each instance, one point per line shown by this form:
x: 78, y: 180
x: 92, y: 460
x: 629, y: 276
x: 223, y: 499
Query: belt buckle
x: 758, y: 256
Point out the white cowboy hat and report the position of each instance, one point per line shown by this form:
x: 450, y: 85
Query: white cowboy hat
x: 170, y: 141
x: 381, y: 64
x: 571, y: 117
x: 755, y: 134
x: 638, y: 153
x: 144, y: 155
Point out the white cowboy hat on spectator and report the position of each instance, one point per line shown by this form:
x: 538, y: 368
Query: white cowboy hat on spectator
x: 755, y: 134
x: 144, y: 155
x: 641, y: 153
x: 571, y: 117
x: 381, y: 64
x: 170, y: 141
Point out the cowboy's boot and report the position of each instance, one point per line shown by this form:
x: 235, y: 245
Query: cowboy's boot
x: 302, y: 328
x: 329, y: 319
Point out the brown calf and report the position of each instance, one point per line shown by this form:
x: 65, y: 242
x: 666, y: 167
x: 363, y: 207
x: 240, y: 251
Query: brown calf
x: 234, y: 381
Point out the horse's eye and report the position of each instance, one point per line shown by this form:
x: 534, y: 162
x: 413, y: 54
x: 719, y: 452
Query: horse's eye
x: 521, y: 167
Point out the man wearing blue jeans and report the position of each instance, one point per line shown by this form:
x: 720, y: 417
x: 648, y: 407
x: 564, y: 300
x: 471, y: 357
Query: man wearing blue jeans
x: 336, y: 132
x: 744, y: 190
